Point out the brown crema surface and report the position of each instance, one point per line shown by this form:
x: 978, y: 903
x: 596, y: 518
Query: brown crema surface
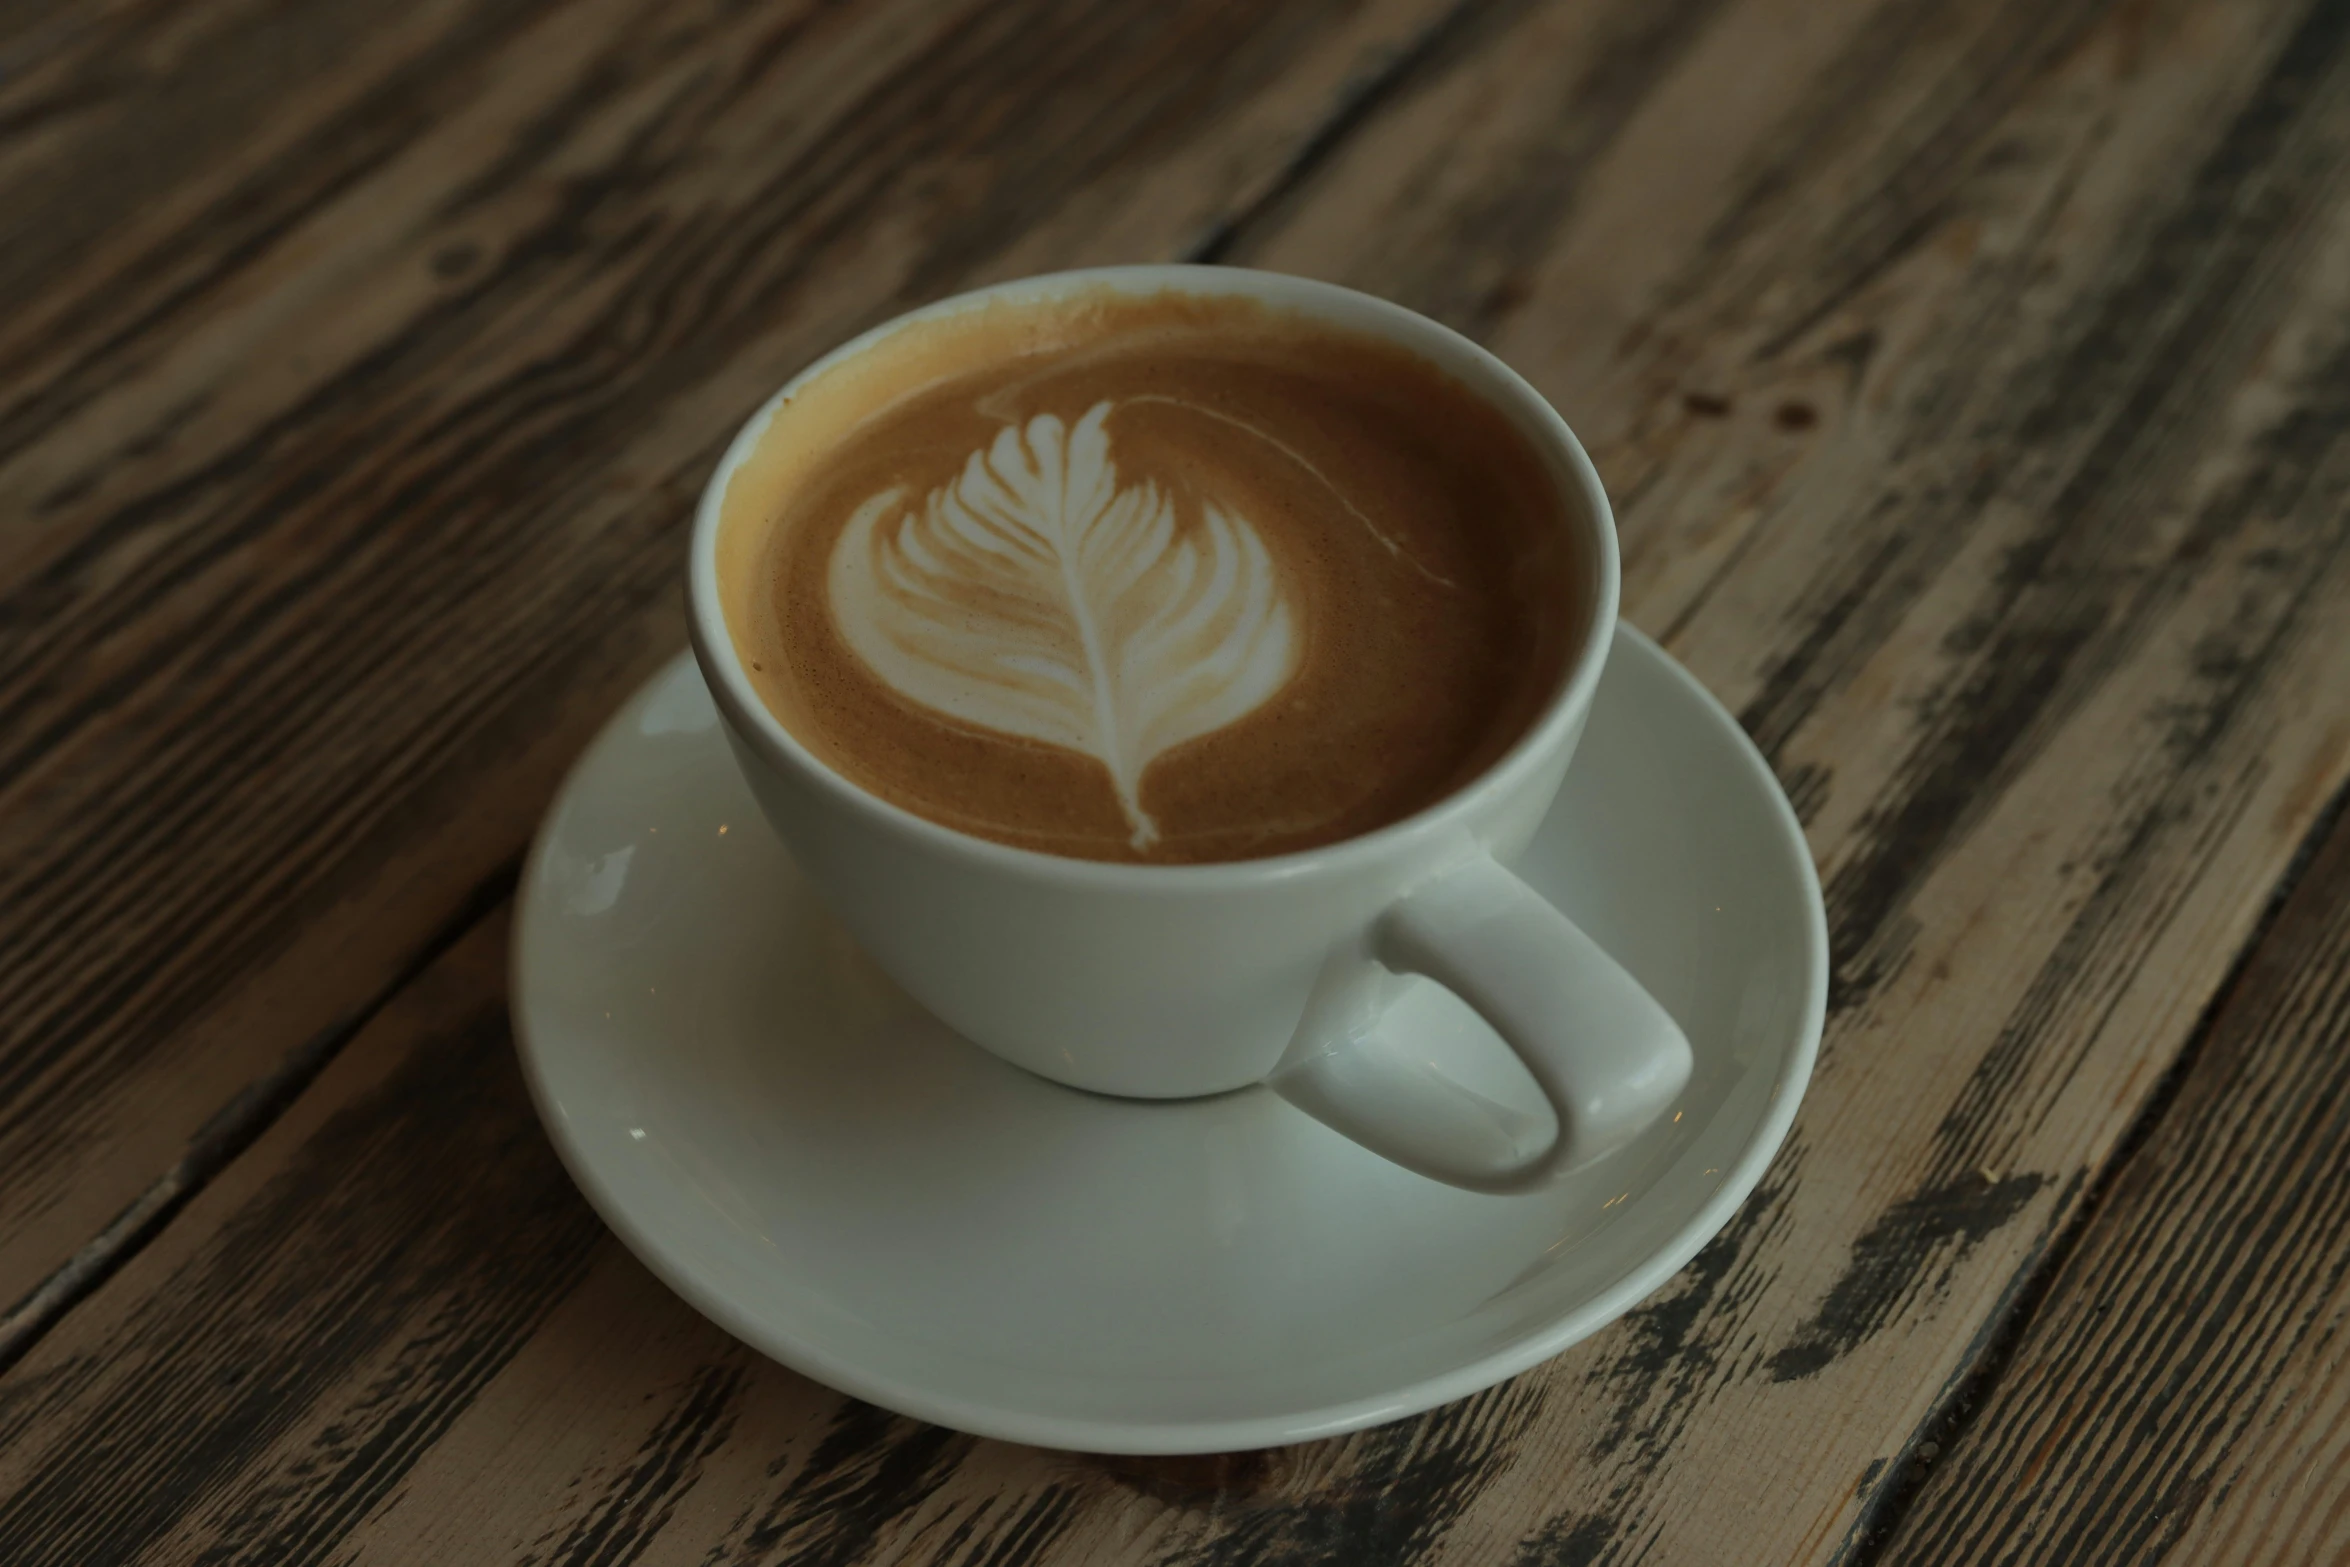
x: 1418, y: 546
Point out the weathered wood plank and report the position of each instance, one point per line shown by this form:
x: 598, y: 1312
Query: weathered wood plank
x: 361, y: 364
x: 2181, y: 1394
x: 1973, y: 378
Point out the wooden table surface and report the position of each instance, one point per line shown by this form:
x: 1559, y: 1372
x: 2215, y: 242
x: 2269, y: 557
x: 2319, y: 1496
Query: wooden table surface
x: 1973, y: 378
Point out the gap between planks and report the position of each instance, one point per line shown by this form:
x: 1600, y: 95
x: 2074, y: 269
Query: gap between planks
x: 231, y: 1130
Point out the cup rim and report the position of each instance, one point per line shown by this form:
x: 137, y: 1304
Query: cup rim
x: 748, y: 714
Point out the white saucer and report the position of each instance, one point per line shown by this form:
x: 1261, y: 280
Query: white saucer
x: 847, y: 1186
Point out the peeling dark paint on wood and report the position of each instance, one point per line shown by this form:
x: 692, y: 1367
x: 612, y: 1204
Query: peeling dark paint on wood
x: 641, y: 1497
x: 871, y: 1467
x: 1402, y: 1486
x: 1566, y: 1541
x: 1671, y: 1345
x: 1913, y: 1247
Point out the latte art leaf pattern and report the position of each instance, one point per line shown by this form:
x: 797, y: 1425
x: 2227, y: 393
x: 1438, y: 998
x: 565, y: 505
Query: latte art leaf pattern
x: 1035, y: 596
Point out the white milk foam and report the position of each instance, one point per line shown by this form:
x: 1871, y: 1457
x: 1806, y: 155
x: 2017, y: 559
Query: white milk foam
x: 1035, y: 596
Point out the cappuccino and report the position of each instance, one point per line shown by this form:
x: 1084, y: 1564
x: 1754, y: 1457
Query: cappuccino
x: 1164, y: 578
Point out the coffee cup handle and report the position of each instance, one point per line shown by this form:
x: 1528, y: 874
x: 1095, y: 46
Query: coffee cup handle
x: 1608, y: 1058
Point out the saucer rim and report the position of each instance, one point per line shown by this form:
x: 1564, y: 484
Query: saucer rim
x: 1143, y: 1437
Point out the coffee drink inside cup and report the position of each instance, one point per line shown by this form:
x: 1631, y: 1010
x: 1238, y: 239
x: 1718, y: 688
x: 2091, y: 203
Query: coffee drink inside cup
x: 1163, y: 577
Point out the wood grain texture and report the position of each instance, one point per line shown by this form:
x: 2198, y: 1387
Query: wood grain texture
x: 2182, y: 1395
x: 1975, y: 383
x: 363, y: 365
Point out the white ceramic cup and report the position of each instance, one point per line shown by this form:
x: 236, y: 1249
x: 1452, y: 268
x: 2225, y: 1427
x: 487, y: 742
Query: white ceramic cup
x: 1175, y: 981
